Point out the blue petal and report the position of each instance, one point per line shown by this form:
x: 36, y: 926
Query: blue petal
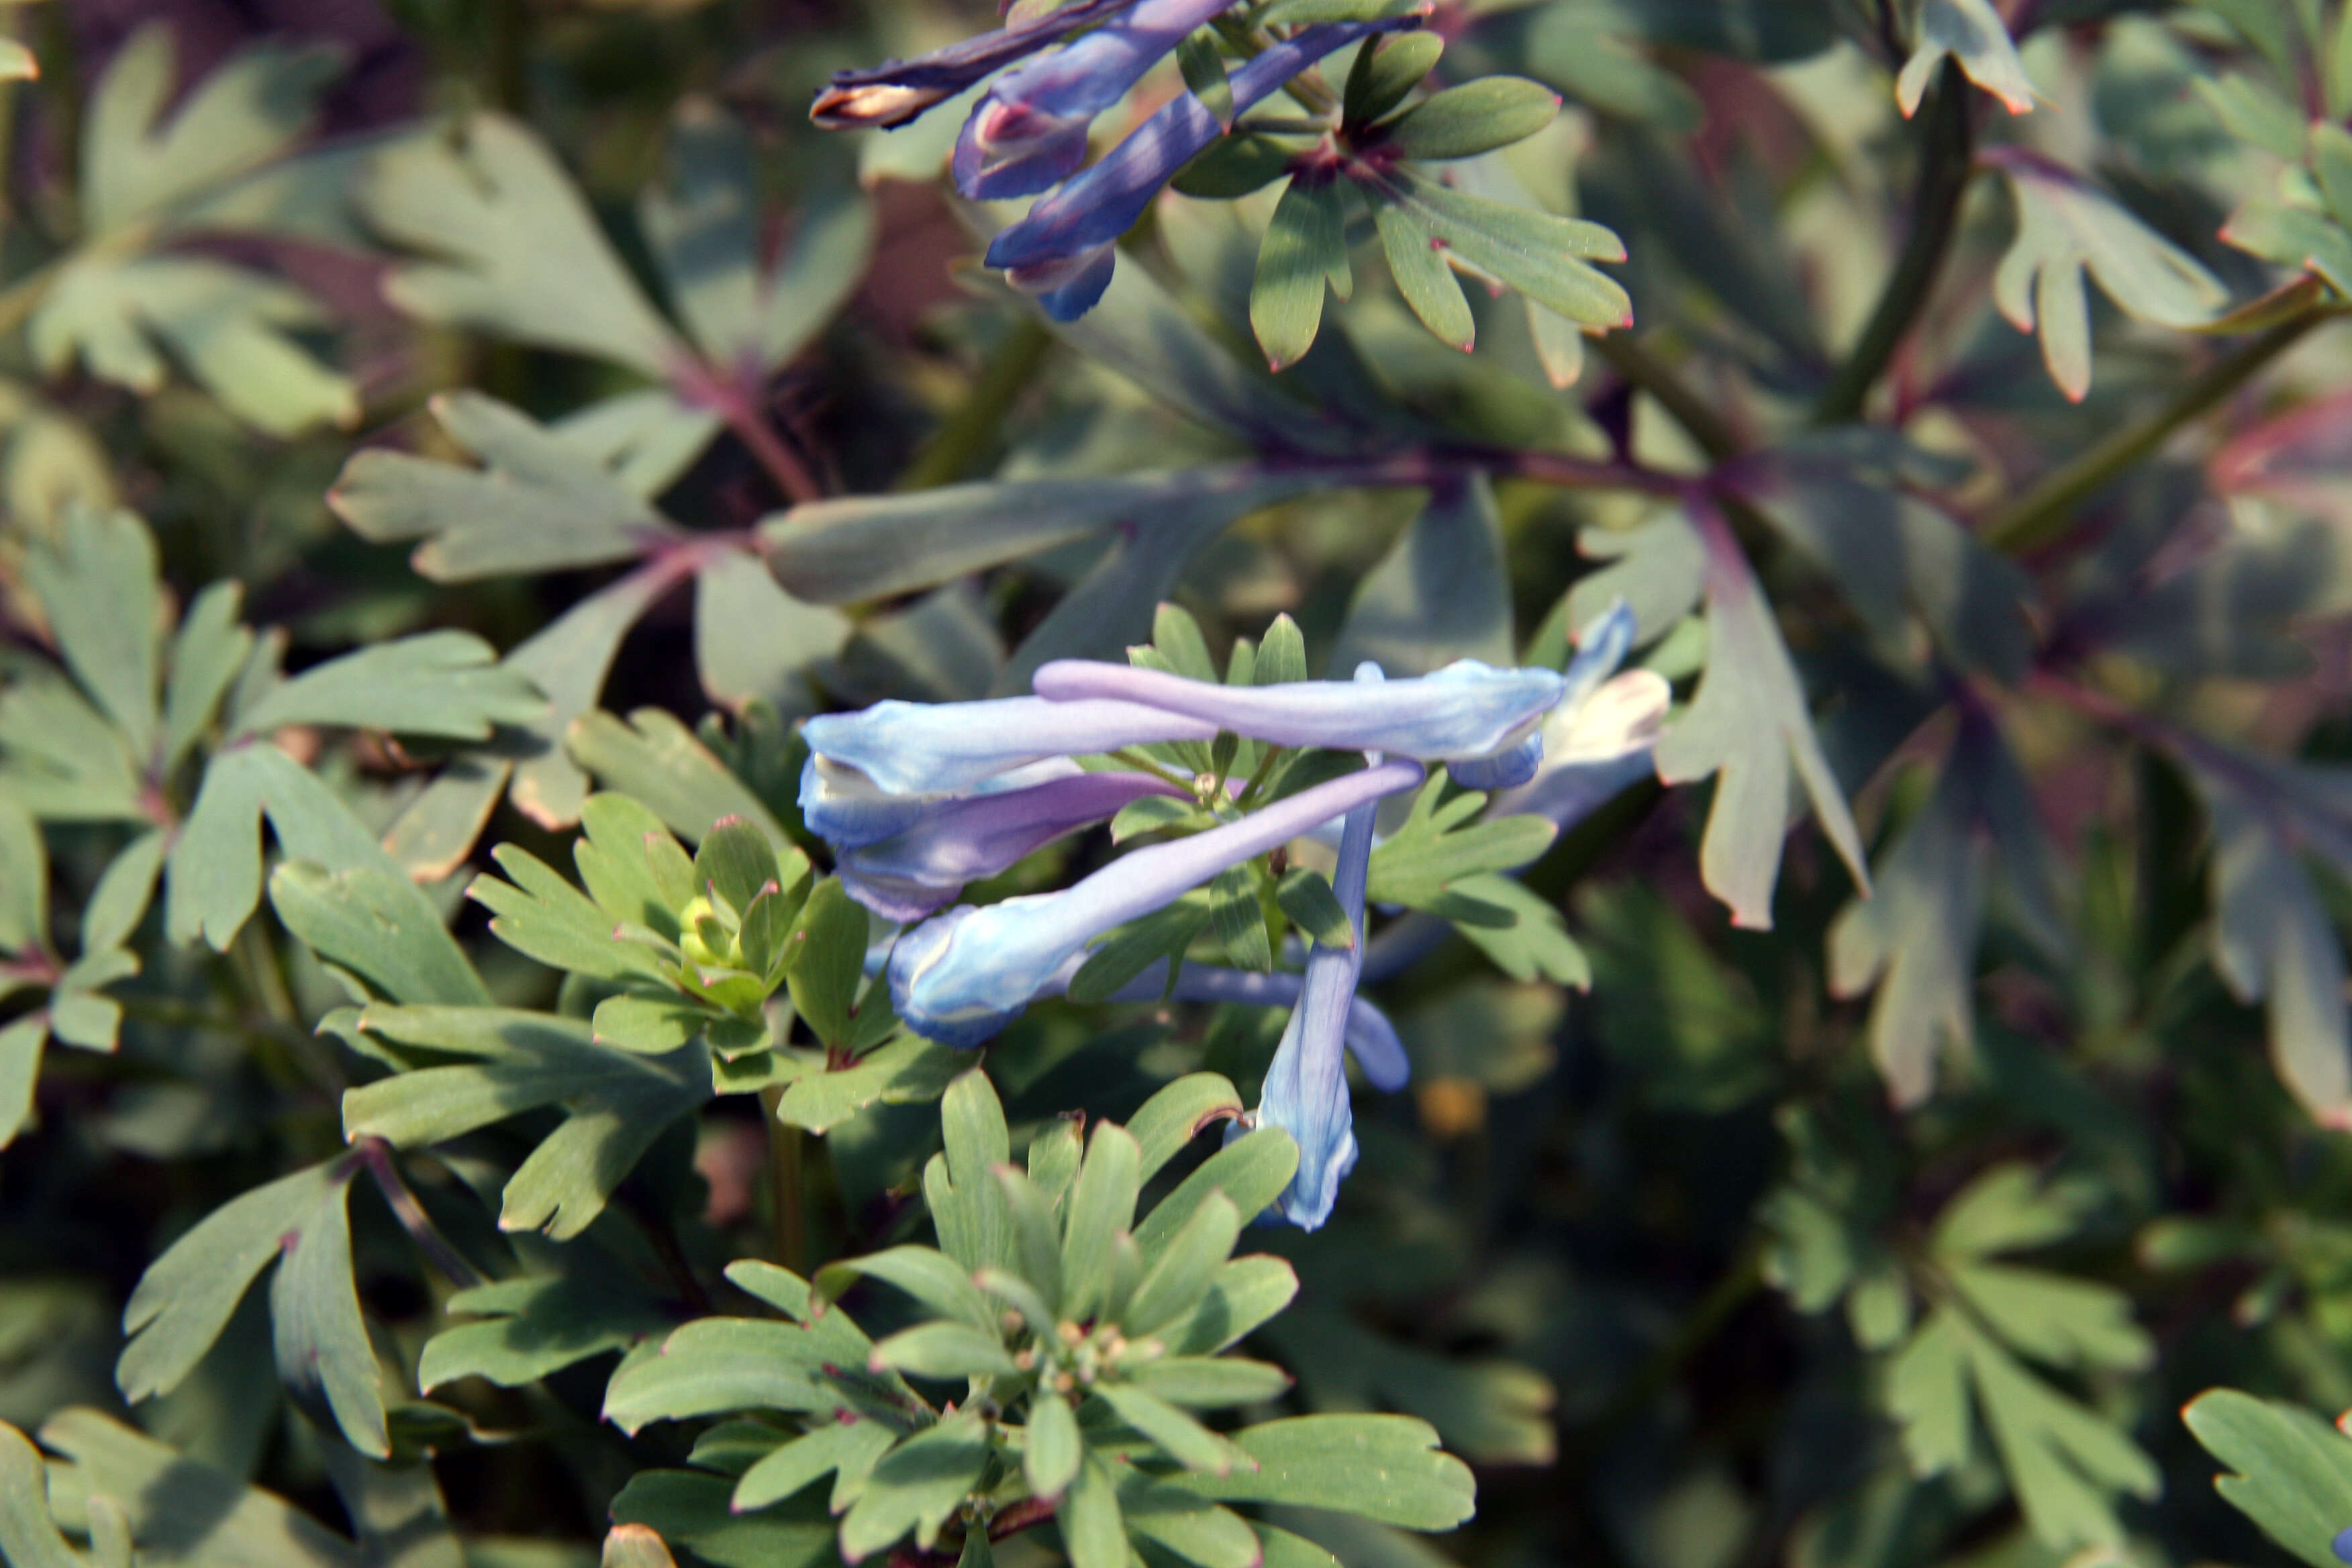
x: 908, y: 876
x: 944, y: 747
x: 959, y: 977
x: 1465, y: 711
x: 1506, y: 769
x: 1306, y: 1089
x: 1084, y: 291
x: 1098, y: 206
x: 1600, y: 647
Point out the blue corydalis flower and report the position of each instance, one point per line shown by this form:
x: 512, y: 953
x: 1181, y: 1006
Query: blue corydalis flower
x: 908, y: 875
x: 2342, y: 1545
x: 1305, y: 1091
x: 960, y: 977
x: 1061, y: 252
x: 846, y: 809
x: 1598, y: 741
x: 1030, y: 131
x: 1463, y: 714
x: 896, y: 92
x: 941, y: 749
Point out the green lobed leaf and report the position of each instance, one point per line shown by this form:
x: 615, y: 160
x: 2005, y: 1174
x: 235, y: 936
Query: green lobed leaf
x: 2066, y: 228
x: 618, y: 1103
x: 2289, y: 1470
x: 1970, y: 33
x: 537, y: 503
x: 96, y: 582
x: 436, y: 683
x: 1748, y: 726
x: 515, y: 251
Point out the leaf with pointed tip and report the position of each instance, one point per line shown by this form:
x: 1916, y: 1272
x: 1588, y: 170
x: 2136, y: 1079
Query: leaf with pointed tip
x: 655, y: 758
x: 96, y: 582
x: 1749, y: 725
x: 179, y: 1510
x: 617, y: 1102
x: 529, y: 1327
x: 213, y: 873
x: 1475, y: 118
x: 186, y: 1298
x: 918, y: 1487
x: 2289, y: 1470
x: 27, y: 1539
x: 368, y: 920
x: 1386, y: 69
x: 1969, y: 32
x: 443, y: 683
x: 1386, y: 1467
x: 906, y: 1070
x: 515, y: 249
x: 1306, y: 246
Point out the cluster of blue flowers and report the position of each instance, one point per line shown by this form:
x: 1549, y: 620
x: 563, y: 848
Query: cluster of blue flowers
x: 920, y: 799
x: 1028, y: 133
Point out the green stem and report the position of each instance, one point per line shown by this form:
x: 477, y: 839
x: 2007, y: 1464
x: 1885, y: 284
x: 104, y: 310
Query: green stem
x: 1944, y: 168
x: 1633, y: 361
x: 1141, y: 763
x: 957, y: 447
x: 787, y: 1208
x: 2041, y: 515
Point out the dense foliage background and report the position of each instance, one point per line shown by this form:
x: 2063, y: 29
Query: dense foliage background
x: 449, y: 448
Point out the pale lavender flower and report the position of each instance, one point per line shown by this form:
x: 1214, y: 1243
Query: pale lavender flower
x: 1598, y: 741
x: 964, y: 976
x: 846, y: 809
x: 1466, y: 711
x: 934, y: 748
x: 1306, y: 1089
x: 912, y: 873
x: 1030, y: 131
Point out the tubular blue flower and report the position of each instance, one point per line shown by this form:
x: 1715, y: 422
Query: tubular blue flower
x: 896, y: 92
x: 1061, y: 251
x: 934, y: 748
x: 1030, y: 131
x: 1466, y: 711
x: 962, y: 976
x: 1599, y: 740
x: 846, y: 809
x: 1305, y: 1091
x: 908, y: 876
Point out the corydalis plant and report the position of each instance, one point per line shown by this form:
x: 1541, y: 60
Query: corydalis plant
x: 917, y: 799
x: 1064, y: 1366
x: 1360, y: 149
